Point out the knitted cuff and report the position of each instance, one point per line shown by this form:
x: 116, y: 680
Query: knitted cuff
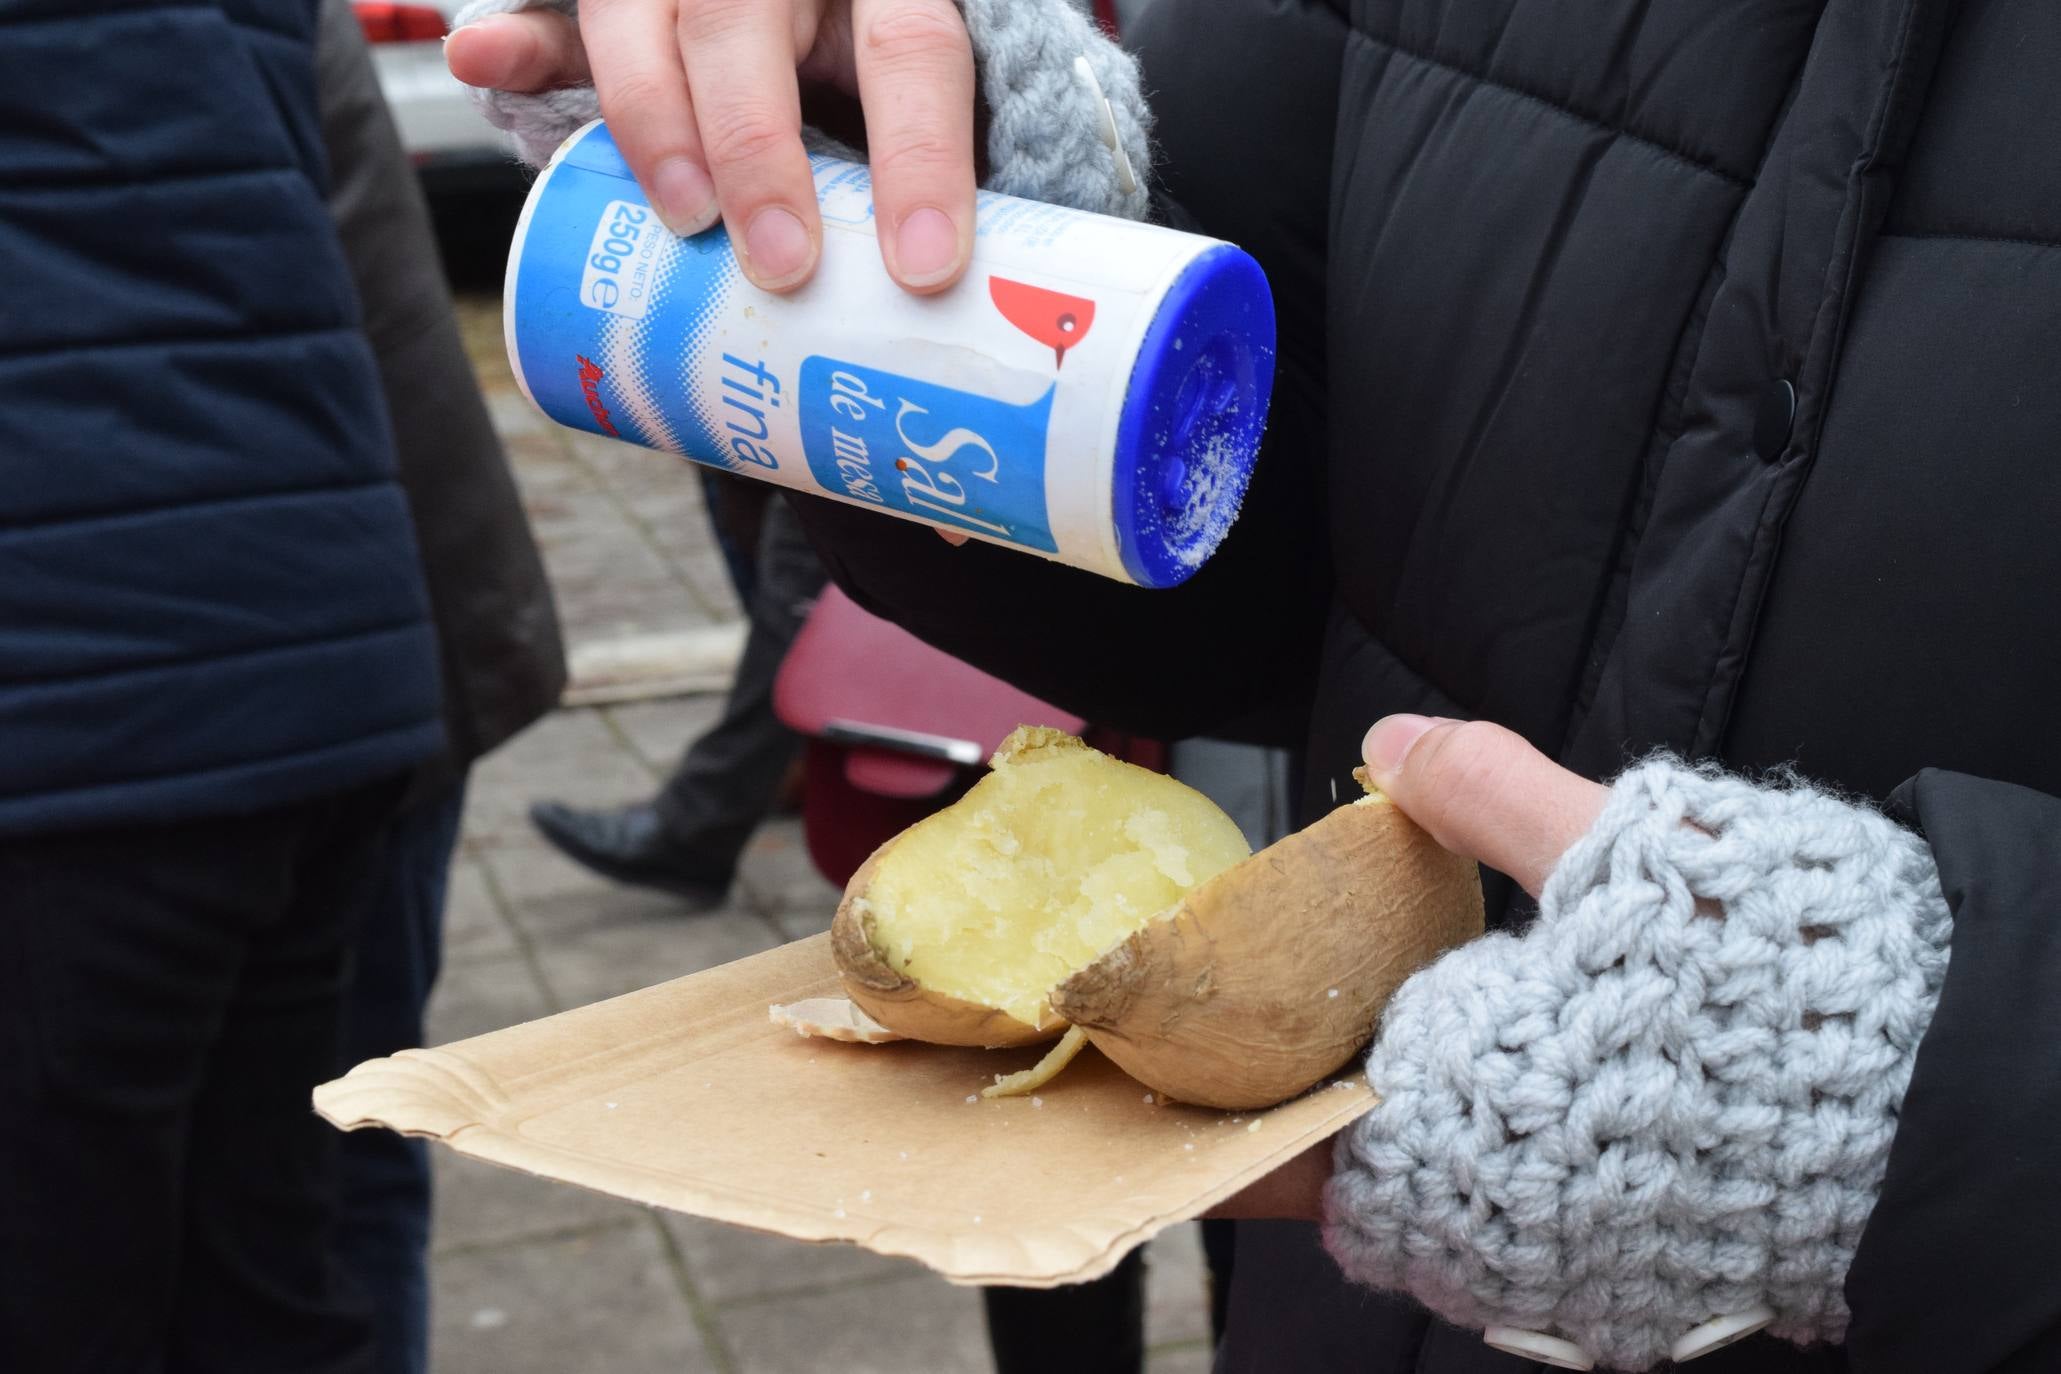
x: 1672, y: 1098
x: 1045, y: 126
x: 538, y: 120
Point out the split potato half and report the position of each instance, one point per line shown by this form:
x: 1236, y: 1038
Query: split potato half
x: 1071, y: 888
x: 1269, y: 978
x: 955, y: 930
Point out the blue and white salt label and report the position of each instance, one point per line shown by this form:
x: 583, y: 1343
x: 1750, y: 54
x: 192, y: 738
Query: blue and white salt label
x: 993, y: 409
x: 951, y: 457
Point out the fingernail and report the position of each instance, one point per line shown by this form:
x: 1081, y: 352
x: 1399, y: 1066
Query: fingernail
x: 1388, y: 743
x: 686, y: 197
x: 776, y: 248
x: 926, y: 247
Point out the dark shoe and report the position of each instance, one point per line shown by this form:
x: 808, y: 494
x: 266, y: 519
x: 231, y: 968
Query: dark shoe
x: 631, y: 844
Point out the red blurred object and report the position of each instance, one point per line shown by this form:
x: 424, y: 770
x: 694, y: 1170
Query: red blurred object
x: 1105, y: 15
x: 390, y: 23
x: 897, y: 729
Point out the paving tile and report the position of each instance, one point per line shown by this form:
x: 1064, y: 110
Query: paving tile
x: 528, y: 868
x: 568, y: 756
x: 479, y: 322
x: 483, y: 995
x: 777, y: 873
x: 484, y: 1204
x: 803, y: 921
x: 1193, y: 1357
x: 513, y: 414
x: 732, y: 1264
x: 473, y: 928
x: 922, y: 1325
x: 699, y: 562
x: 632, y: 467
x: 591, y: 948
x: 661, y: 730
x: 608, y: 579
x: 664, y: 495
x: 605, y: 605
x: 599, y: 1304
x: 1176, y: 1287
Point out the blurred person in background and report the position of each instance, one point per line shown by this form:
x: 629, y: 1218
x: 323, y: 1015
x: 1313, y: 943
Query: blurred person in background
x: 503, y: 663
x: 217, y: 672
x: 688, y: 839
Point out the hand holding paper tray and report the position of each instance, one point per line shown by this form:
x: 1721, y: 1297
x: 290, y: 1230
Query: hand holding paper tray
x: 686, y: 1096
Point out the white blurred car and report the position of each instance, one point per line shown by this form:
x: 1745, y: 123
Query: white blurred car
x: 453, y: 148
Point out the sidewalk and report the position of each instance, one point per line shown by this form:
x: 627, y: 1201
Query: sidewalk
x: 538, y: 1278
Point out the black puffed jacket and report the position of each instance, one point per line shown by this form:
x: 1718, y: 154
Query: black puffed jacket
x: 1654, y: 374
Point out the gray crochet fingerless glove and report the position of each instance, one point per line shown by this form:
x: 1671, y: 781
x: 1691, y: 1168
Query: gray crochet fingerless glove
x: 1672, y: 1098
x: 1045, y: 126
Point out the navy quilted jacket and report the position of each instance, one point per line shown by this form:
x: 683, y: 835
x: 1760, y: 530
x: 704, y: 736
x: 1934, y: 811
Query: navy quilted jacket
x: 209, y: 594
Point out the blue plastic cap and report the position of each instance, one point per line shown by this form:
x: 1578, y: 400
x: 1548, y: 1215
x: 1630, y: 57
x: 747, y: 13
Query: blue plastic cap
x: 1192, y: 417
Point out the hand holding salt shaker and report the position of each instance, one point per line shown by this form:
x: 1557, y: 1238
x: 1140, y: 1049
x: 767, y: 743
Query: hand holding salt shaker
x: 1092, y: 391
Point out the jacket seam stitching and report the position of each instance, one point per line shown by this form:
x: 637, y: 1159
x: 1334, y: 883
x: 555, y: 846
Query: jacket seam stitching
x: 209, y: 11
x: 144, y: 669
x: 238, y: 339
x: 71, y: 520
x: 152, y: 177
x: 1817, y: 365
x: 1674, y: 154
x: 1955, y: 236
x: 356, y: 744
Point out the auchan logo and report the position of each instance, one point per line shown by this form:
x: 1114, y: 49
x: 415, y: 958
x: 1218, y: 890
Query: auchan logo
x: 590, y: 387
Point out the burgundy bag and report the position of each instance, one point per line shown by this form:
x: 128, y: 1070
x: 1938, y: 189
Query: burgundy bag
x: 897, y: 729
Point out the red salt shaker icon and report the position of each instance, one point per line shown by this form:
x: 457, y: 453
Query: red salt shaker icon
x: 1053, y: 318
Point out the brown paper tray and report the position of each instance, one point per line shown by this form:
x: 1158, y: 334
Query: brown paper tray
x: 685, y: 1096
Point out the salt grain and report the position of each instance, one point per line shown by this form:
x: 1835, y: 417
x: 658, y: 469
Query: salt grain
x: 1148, y: 1097
x: 905, y: 1154
x: 611, y: 1106
x: 973, y: 1097
x: 1037, y: 1101
x: 1211, y: 494
x: 866, y: 1196
x: 1189, y: 1145
x: 488, y: 1319
x: 1254, y: 1126
x: 1332, y: 993
x: 840, y: 1213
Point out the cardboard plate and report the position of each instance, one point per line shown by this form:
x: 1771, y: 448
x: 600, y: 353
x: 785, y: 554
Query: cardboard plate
x: 686, y: 1096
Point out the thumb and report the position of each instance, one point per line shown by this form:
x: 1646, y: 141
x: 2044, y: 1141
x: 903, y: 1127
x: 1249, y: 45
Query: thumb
x: 1481, y: 791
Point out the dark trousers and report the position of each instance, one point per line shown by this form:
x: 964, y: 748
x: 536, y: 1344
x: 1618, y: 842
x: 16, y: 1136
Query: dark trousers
x: 729, y: 778
x: 168, y: 997
x: 1096, y: 1327
x: 382, y: 1236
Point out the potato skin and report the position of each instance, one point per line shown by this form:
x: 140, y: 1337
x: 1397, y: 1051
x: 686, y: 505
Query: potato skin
x: 1226, y: 1001
x: 904, y: 1005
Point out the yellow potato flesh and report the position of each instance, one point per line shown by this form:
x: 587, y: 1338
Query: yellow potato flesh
x: 1047, y: 862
